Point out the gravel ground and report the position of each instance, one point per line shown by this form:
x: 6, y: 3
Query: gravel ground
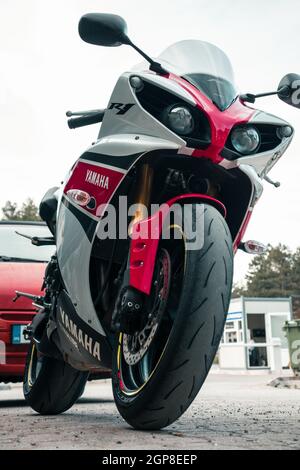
x: 230, y: 412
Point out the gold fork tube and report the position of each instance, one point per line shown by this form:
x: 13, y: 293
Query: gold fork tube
x: 143, y: 193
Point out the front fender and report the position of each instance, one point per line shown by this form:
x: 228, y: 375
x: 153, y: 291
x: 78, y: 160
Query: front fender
x: 143, y: 249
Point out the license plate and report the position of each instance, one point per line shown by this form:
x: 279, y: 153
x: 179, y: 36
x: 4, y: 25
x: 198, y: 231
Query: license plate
x: 17, y: 336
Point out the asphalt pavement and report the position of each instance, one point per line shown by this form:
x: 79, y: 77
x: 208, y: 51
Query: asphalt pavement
x: 230, y: 412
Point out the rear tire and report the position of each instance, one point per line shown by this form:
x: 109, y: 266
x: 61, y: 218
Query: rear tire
x: 51, y: 386
x: 183, y: 362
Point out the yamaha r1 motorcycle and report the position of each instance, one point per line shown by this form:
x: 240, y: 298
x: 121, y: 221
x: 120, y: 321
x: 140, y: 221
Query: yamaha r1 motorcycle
x: 149, y: 310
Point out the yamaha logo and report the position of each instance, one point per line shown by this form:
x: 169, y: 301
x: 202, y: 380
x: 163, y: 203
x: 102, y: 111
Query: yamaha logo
x: 88, y: 343
x: 97, y: 179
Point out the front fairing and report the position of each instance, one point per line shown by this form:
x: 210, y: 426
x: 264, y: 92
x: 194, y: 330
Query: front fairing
x: 205, y: 72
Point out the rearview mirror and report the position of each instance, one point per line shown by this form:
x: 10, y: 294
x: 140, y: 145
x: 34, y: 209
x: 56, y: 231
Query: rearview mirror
x: 289, y: 89
x: 103, y: 29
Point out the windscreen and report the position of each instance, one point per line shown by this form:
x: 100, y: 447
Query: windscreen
x: 205, y: 66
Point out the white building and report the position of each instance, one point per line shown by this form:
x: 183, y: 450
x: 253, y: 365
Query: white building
x: 253, y: 337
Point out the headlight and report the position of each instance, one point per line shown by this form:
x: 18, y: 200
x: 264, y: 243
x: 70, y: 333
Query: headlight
x: 180, y: 120
x: 245, y: 140
x: 284, y: 132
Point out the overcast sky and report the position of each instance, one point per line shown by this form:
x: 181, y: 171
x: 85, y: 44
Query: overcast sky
x: 46, y: 69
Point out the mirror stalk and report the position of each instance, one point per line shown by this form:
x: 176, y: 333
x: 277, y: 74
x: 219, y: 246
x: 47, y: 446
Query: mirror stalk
x: 154, y: 66
x: 250, y: 98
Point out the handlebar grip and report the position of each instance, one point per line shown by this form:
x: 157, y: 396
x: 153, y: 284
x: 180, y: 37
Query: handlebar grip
x: 86, y: 120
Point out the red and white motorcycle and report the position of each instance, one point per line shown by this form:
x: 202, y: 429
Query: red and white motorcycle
x: 145, y: 226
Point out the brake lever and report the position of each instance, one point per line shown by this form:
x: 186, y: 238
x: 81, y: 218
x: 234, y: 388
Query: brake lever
x: 82, y: 113
x: 276, y: 184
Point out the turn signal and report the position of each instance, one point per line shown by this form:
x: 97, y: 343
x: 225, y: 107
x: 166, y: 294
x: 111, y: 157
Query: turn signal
x: 253, y: 247
x: 81, y: 198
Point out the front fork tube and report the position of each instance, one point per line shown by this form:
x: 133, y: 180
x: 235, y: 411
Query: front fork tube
x: 143, y: 194
x: 126, y: 314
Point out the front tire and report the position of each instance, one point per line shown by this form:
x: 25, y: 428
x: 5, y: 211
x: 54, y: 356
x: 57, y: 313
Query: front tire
x: 51, y: 386
x: 178, y: 368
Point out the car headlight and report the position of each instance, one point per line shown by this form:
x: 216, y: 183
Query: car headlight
x: 245, y: 140
x: 179, y: 119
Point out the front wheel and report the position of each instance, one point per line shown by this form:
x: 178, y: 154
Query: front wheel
x: 158, y: 372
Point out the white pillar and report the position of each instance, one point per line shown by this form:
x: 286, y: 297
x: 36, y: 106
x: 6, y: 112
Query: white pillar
x: 275, y: 356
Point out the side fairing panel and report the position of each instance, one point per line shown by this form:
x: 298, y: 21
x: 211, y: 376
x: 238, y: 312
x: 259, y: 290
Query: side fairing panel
x: 125, y: 115
x: 73, y: 251
x: 264, y: 162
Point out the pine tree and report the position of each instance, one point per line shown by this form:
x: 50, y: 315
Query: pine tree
x: 29, y: 211
x: 10, y: 211
x: 270, y: 274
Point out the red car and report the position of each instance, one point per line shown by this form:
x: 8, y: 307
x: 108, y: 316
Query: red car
x: 22, y: 267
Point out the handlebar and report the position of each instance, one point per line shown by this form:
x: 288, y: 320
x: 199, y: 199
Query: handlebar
x: 86, y: 120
